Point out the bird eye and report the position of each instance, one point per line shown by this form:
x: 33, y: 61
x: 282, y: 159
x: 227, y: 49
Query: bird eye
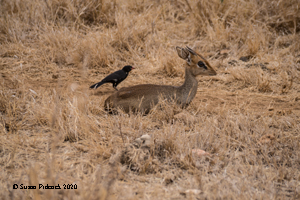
x: 201, y: 64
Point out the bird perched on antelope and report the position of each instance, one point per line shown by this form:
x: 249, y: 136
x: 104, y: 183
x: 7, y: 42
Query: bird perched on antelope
x: 115, y: 78
x: 144, y: 97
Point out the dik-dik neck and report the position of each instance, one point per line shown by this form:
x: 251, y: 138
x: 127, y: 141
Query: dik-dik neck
x: 188, y: 90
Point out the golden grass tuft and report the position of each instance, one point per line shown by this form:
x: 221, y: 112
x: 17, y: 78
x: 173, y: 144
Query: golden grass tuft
x: 54, y: 130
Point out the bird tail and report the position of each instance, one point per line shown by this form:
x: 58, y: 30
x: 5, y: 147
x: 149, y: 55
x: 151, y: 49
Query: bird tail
x: 96, y: 85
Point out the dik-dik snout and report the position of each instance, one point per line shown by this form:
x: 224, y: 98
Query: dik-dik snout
x: 144, y: 97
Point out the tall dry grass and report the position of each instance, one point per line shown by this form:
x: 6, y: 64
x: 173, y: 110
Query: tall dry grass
x: 54, y: 130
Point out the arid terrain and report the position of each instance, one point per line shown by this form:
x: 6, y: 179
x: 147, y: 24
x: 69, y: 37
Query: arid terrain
x: 54, y: 129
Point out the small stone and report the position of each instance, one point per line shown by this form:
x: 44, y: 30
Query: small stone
x: 267, y: 139
x: 190, y: 192
x: 199, y: 153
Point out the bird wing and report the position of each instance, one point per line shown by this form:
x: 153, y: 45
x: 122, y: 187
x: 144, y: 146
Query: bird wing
x: 118, y: 75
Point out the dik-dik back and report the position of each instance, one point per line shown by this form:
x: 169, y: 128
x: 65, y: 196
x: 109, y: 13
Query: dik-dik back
x: 144, y: 97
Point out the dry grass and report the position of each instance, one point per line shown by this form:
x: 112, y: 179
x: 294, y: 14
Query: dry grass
x: 54, y: 130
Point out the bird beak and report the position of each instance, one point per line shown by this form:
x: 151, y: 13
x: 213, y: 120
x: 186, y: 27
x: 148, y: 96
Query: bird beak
x: 132, y: 68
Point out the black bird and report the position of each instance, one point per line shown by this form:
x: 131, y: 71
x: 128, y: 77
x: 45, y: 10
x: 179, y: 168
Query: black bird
x: 115, y: 78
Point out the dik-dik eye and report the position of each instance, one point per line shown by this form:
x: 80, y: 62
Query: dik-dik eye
x: 201, y: 64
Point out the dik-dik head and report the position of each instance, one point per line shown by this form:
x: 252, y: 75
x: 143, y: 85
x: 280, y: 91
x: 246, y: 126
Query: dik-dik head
x: 195, y: 62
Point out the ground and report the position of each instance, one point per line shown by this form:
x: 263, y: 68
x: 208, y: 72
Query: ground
x: 246, y: 119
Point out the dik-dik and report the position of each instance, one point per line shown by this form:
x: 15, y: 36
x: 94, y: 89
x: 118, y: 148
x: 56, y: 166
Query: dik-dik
x: 143, y: 97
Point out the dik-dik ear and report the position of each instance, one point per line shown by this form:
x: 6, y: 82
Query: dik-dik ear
x: 182, y: 53
x: 191, y: 50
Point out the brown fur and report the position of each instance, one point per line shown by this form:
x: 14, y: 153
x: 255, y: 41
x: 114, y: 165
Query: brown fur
x: 144, y: 97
